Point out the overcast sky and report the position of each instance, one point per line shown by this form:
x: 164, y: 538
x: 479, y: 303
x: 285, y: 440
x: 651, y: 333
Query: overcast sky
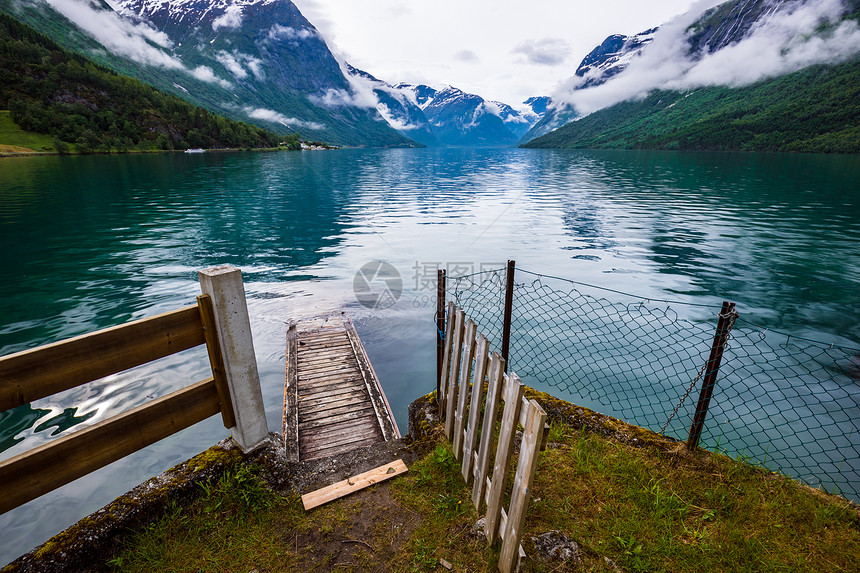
x: 502, y: 50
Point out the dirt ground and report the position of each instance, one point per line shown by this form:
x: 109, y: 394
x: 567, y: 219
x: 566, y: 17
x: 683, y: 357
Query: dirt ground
x: 367, y: 538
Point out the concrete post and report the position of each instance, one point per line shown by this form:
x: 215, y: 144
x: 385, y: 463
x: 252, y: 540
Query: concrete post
x: 224, y: 285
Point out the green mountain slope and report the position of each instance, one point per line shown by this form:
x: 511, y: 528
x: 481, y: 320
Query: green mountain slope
x: 52, y: 91
x: 816, y: 109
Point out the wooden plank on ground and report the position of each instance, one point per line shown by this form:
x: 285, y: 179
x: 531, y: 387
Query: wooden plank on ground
x: 353, y: 484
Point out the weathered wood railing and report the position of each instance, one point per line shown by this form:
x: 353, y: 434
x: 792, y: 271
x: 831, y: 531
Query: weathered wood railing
x: 219, y: 320
x: 466, y: 365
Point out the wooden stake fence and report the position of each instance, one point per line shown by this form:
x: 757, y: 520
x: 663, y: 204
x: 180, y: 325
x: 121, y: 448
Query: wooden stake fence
x: 41, y: 372
x: 465, y: 353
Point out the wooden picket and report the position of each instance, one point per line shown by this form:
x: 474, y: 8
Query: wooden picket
x: 461, y: 392
x: 465, y: 380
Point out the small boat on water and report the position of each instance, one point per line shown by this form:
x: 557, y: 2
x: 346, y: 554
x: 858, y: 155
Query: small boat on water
x: 195, y: 150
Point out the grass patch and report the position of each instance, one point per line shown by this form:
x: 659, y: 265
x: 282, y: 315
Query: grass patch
x: 656, y: 510
x: 227, y: 529
x: 15, y: 140
x: 644, y: 508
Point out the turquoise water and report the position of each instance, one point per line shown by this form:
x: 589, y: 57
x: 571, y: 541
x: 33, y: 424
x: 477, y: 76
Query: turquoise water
x: 90, y: 242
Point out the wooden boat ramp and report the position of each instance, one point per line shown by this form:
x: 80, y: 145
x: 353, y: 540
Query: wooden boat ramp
x: 333, y: 402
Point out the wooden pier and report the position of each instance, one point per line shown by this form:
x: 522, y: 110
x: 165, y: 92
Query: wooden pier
x: 333, y: 402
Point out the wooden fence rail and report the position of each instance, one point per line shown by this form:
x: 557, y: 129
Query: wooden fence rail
x: 40, y: 372
x: 466, y: 367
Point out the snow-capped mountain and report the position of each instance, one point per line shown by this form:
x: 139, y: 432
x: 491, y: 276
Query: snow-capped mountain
x: 605, y: 61
x: 611, y: 57
x: 397, y: 106
x: 259, y: 61
x: 516, y: 121
x: 262, y: 61
x: 460, y: 118
x: 272, y: 55
x: 780, y: 27
x: 694, y: 82
x: 445, y: 115
x: 535, y: 107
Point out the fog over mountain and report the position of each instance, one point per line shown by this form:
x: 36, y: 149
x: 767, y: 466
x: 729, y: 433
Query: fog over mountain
x: 780, y: 38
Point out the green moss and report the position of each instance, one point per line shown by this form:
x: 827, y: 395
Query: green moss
x: 141, y: 504
x: 582, y: 418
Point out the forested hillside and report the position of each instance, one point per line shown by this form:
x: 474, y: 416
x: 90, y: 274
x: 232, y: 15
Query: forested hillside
x: 52, y: 91
x: 816, y: 109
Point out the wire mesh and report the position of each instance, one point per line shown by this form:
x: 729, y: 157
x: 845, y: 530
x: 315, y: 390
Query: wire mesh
x: 482, y: 297
x: 631, y: 360
x: 789, y: 404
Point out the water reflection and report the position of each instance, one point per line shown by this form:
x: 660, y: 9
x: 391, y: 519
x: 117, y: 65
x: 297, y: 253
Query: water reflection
x: 89, y: 242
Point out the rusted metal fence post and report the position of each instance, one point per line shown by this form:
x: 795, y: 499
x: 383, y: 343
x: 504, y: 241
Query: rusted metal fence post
x: 724, y: 326
x: 509, y: 303
x: 440, y: 325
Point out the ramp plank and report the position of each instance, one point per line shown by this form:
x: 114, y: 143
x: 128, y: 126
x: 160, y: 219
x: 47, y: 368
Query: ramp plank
x: 333, y: 400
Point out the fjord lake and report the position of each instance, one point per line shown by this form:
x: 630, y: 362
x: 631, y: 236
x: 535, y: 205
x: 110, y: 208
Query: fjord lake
x: 94, y: 241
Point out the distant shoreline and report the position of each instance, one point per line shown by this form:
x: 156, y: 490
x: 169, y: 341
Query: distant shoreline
x: 144, y: 152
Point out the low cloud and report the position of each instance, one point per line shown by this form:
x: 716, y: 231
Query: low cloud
x: 784, y: 45
x: 786, y: 42
x: 493, y: 108
x: 133, y: 40
x: 137, y: 41
x: 277, y: 117
x: 233, y: 66
x: 398, y: 10
x: 394, y: 122
x: 231, y: 18
x: 236, y: 62
x: 364, y: 91
x: 278, y: 32
x: 544, y: 52
x: 343, y: 98
x: 467, y: 56
x: 205, y: 74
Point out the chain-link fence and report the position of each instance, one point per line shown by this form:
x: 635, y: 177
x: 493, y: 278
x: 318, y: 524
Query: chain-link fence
x: 787, y: 403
